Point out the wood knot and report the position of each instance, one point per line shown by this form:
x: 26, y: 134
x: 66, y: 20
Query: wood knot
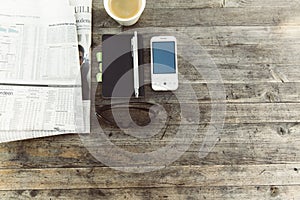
x: 34, y: 193
x: 283, y: 131
x: 274, y: 191
x: 296, y: 169
x: 271, y: 97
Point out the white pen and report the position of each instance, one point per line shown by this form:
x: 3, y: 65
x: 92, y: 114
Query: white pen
x: 134, y: 49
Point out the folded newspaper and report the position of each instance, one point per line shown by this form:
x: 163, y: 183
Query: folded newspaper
x: 44, y: 68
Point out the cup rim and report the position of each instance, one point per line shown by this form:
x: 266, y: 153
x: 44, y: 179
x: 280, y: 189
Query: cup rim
x: 105, y: 2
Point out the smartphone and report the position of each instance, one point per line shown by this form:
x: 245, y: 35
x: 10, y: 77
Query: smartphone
x: 164, y: 69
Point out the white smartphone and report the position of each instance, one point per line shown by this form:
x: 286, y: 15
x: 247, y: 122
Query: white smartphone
x: 164, y: 69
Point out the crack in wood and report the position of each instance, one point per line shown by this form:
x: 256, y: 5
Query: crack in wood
x: 223, y: 4
x: 277, y: 75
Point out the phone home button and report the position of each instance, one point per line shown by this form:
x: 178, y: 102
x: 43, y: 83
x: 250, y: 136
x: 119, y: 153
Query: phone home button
x: 165, y: 83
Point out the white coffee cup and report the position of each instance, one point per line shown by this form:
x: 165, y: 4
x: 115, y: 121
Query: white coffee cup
x: 125, y: 21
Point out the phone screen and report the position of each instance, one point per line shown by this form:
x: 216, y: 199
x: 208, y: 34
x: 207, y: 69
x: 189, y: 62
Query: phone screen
x: 164, y: 60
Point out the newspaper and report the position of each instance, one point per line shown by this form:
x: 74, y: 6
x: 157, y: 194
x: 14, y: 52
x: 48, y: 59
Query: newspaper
x: 40, y: 78
x: 83, y: 14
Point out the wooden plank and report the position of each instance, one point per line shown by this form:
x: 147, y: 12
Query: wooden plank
x: 172, y: 193
x: 279, y: 134
x: 241, y: 35
x: 223, y: 35
x: 242, y: 93
x: 174, y: 4
x: 193, y: 176
x: 255, y: 54
x: 235, y: 92
x: 248, y: 73
x: 212, y: 3
x: 252, y: 16
x: 240, y: 113
x: 239, y: 144
x: 258, y: 3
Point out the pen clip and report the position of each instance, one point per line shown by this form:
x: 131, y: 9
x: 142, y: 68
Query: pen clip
x: 132, y: 48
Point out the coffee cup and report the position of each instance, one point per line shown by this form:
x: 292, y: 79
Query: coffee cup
x: 125, y: 12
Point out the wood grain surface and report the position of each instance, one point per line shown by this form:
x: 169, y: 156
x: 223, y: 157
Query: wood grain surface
x: 255, y: 46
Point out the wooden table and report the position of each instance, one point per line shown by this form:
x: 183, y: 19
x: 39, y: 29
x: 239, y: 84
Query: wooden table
x: 255, y: 45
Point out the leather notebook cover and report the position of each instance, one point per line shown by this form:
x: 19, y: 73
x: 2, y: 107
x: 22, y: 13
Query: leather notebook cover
x: 117, y: 66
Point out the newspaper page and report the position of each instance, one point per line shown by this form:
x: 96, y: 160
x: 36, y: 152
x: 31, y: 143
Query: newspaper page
x: 83, y: 14
x: 40, y: 87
